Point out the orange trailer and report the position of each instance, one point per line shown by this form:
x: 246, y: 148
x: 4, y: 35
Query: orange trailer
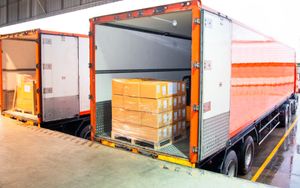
x: 242, y: 83
x: 57, y: 64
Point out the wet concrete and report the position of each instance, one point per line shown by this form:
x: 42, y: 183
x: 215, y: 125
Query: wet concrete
x: 284, y: 168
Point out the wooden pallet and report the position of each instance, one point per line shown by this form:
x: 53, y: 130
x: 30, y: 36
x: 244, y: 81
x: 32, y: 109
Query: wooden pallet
x: 29, y: 119
x: 141, y: 142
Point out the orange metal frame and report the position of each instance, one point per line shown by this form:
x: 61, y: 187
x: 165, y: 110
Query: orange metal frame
x: 34, y: 35
x: 195, y: 7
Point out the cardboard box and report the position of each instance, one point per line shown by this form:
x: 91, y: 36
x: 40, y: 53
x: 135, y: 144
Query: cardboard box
x: 181, y: 88
x: 175, y: 131
x: 25, y: 94
x: 131, y: 103
x: 155, y: 105
x: 181, y: 114
x: 174, y: 103
x: 153, y: 89
x: 175, y: 116
x: 181, y: 101
x: 171, y: 88
x: 181, y: 127
x: 133, y: 117
x: 118, y: 114
x: 132, y: 87
x: 156, y: 120
x: 117, y: 101
x: 118, y: 86
x: 141, y: 132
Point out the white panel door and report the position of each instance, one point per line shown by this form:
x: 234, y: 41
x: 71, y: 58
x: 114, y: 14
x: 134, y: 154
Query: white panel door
x: 60, y: 77
x: 215, y: 83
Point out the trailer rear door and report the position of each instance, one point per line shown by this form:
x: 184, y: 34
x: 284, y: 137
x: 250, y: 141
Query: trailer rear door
x: 215, y: 83
x: 60, y: 78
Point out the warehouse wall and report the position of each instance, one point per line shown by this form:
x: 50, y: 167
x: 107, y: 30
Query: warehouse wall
x: 14, y: 11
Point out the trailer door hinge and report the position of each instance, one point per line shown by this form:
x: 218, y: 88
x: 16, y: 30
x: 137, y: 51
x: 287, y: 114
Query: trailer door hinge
x: 196, y: 108
x: 196, y: 65
x: 195, y: 149
x: 90, y: 33
x: 90, y: 65
x: 90, y: 97
x: 37, y: 66
x: 197, y: 21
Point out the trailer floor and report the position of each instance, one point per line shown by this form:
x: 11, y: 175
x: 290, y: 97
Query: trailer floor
x: 37, y: 157
x: 284, y: 168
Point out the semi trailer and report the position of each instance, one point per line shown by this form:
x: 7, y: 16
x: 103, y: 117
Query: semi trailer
x: 242, y: 83
x: 44, y: 79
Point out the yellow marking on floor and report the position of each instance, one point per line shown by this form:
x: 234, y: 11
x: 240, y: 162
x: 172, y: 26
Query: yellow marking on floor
x: 272, y: 154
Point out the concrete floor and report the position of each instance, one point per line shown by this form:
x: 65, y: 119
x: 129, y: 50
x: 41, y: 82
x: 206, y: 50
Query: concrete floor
x: 284, y: 169
x: 33, y: 157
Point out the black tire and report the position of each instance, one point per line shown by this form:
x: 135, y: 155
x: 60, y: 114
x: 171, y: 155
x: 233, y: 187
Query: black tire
x: 246, y: 156
x: 230, y: 164
x: 86, y: 132
x: 294, y: 106
x: 284, y: 116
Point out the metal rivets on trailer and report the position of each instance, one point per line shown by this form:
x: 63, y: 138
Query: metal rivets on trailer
x: 197, y: 21
x: 195, y: 149
x: 196, y: 108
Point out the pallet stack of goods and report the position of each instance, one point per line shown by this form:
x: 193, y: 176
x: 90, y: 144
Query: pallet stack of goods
x: 25, y: 94
x: 147, y: 111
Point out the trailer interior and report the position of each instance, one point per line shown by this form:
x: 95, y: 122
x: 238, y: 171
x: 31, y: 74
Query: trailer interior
x: 18, y: 63
x: 156, y: 47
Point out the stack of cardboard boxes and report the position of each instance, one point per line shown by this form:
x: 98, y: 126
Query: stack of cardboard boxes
x: 147, y: 109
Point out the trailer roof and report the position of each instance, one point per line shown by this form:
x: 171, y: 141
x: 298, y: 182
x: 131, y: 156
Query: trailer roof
x: 34, y: 34
x: 117, y: 18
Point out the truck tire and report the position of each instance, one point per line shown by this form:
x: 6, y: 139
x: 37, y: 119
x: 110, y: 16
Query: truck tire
x: 230, y: 164
x: 284, y: 116
x: 86, y: 132
x: 246, y: 156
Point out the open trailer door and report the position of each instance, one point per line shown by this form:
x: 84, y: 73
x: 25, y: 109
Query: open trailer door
x: 60, y: 80
x: 215, y: 84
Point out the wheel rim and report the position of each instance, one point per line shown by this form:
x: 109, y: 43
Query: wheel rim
x: 231, y: 169
x: 248, y: 156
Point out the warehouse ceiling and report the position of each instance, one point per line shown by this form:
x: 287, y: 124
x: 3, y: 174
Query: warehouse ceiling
x: 16, y: 11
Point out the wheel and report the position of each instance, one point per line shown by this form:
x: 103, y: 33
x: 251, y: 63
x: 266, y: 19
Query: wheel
x: 86, y: 132
x: 284, y: 116
x: 246, y: 156
x: 230, y: 164
x: 294, y: 106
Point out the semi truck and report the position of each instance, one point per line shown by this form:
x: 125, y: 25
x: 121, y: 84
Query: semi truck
x: 242, y: 83
x: 57, y: 63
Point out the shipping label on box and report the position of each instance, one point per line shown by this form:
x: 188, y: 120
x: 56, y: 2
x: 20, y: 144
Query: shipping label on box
x: 156, y: 120
x: 131, y: 103
x: 181, y: 88
x: 154, y: 105
x: 117, y: 101
x: 172, y: 88
x: 153, y: 89
x: 175, y: 117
